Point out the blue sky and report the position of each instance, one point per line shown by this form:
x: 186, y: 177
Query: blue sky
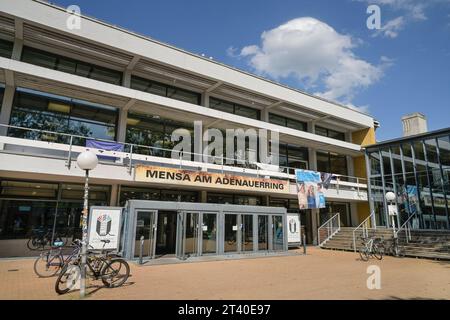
x: 323, y: 47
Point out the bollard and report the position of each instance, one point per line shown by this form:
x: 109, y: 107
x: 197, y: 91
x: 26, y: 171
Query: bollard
x: 304, y: 244
x: 141, y: 249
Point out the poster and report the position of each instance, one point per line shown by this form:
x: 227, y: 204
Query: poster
x: 310, y: 188
x: 104, y: 224
x: 294, y: 228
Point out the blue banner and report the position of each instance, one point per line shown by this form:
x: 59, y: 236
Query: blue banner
x: 310, y: 188
x: 105, y: 145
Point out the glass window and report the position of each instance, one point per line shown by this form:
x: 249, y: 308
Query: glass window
x: 331, y: 163
x: 276, y: 119
x: 56, y: 62
x: 130, y: 193
x: 287, y: 122
x: 234, y: 108
x: 38, y: 110
x: 164, y: 90
x: 24, y: 189
x: 6, y: 48
x: 330, y: 133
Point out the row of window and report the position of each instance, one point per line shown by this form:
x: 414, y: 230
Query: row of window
x: 64, y: 64
x: 48, y: 113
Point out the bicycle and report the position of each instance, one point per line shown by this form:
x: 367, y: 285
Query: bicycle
x: 50, y: 263
x: 394, y: 249
x: 41, y: 237
x: 371, y: 247
x: 112, y: 270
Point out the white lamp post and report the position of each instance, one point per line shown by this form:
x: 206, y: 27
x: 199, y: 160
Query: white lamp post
x: 392, y: 208
x: 86, y: 161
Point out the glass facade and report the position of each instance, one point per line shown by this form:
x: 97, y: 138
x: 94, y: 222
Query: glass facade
x: 286, y: 122
x: 293, y: 156
x: 129, y: 193
x: 165, y: 90
x: 224, y: 198
x: 153, y: 131
x: 29, y: 205
x: 321, y: 131
x: 64, y: 64
x: 6, y: 48
x: 37, y: 110
x: 234, y: 108
x: 417, y: 170
x: 332, y: 163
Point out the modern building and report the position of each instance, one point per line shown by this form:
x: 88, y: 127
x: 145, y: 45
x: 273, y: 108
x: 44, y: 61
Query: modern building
x: 64, y: 90
x: 417, y: 169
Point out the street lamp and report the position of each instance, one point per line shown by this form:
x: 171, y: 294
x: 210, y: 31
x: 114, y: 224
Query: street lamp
x: 392, y: 208
x: 86, y: 161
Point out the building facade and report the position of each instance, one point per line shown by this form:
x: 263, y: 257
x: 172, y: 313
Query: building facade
x: 65, y: 90
x: 417, y: 170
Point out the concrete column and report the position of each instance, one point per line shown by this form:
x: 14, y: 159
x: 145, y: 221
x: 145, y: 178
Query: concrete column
x: 205, y: 100
x: 265, y: 115
x: 312, y: 159
x: 203, y: 196
x: 5, y: 113
x: 314, y: 224
x: 126, y: 79
x: 114, y: 198
x: 354, y: 214
x: 17, y: 49
x: 122, y: 125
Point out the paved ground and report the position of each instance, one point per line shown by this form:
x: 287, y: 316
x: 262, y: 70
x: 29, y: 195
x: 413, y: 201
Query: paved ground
x: 322, y: 274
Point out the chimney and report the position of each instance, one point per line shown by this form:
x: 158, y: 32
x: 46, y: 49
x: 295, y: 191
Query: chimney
x: 414, y: 123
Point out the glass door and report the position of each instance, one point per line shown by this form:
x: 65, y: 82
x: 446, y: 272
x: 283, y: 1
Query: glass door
x: 231, y: 233
x: 188, y: 234
x: 209, y: 233
x: 246, y: 232
x: 146, y: 228
x: 277, y: 233
x: 263, y: 233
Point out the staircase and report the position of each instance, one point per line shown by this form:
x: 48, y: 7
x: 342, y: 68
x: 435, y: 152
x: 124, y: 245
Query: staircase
x: 429, y: 244
x: 343, y: 239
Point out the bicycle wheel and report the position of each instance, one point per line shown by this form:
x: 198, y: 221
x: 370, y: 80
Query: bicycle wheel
x: 33, y: 244
x: 68, y: 279
x: 47, y: 265
x: 115, y: 273
x: 364, y: 254
x: 377, y: 252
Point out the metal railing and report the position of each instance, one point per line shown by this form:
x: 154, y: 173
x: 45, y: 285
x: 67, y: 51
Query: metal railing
x: 406, y: 226
x: 364, y: 226
x: 329, y: 228
x: 71, y: 145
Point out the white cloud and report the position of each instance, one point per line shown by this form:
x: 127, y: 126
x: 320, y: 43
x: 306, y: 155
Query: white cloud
x: 314, y: 54
x: 392, y: 27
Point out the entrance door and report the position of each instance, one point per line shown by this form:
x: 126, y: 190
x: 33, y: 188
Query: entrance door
x: 188, y: 234
x: 277, y: 233
x: 231, y: 233
x: 246, y: 232
x: 146, y: 227
x: 166, y: 233
x: 263, y: 232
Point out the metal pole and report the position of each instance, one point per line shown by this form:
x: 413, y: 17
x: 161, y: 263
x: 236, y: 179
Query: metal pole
x: 304, y: 243
x: 141, y: 250
x: 84, y: 238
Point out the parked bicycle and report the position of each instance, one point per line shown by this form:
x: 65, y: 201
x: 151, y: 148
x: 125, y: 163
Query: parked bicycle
x: 394, y: 248
x: 110, y: 268
x: 49, y: 263
x: 41, y: 237
x: 371, y: 248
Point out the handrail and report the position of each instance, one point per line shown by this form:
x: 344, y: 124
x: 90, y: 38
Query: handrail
x: 330, y: 227
x: 365, y: 228
x: 283, y: 172
x: 406, y: 226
